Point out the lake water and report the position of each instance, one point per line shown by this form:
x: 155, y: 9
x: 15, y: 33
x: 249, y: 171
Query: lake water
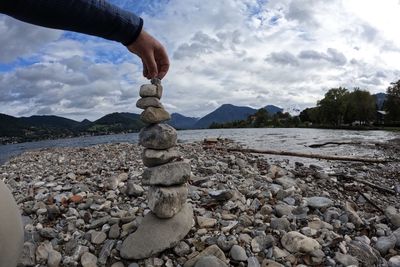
x: 287, y: 139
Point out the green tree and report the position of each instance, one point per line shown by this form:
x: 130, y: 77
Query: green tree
x: 333, y: 106
x: 261, y: 118
x: 392, y: 104
x: 361, y: 107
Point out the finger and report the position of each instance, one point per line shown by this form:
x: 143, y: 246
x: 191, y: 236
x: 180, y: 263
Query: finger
x: 145, y: 71
x: 162, y: 62
x: 151, y: 65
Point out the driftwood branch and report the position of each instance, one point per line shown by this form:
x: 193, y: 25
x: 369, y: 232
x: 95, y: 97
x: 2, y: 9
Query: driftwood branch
x: 334, y: 143
x: 371, y: 202
x: 381, y: 188
x: 307, y: 155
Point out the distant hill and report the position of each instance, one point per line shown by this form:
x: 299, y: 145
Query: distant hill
x: 116, y: 122
x: 180, y: 121
x: 271, y: 109
x: 380, y: 99
x: 225, y: 113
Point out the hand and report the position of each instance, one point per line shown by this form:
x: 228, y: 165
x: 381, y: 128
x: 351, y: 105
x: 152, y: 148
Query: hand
x: 153, y: 54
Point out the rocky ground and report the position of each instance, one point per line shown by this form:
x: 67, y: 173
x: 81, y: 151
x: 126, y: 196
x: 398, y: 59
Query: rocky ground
x: 79, y: 204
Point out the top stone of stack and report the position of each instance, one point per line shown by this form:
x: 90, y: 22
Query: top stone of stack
x: 154, y: 89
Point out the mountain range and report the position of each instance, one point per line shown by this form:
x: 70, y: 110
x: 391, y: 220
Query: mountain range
x: 13, y: 129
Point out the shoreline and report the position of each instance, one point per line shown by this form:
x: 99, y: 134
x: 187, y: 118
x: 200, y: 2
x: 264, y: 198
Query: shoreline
x: 250, y: 202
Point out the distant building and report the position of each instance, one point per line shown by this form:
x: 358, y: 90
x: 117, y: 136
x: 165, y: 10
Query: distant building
x: 380, y: 116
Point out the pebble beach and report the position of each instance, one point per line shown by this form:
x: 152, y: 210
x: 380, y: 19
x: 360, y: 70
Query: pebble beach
x: 79, y: 204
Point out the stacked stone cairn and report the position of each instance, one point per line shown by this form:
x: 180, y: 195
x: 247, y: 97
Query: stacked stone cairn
x: 166, y: 175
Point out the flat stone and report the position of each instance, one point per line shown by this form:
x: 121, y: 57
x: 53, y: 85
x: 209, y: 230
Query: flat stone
x: 393, y: 215
x: 165, y: 202
x: 286, y: 182
x: 205, y: 222
x: 394, y: 261
x: 280, y: 224
x: 146, y: 102
x: 54, y: 259
x: 212, y: 250
x: 152, y: 157
x: 346, y: 259
x: 385, y: 243
x: 174, y: 173
x: 364, y: 253
x: 319, y: 202
x: 283, y: 209
x: 88, y: 260
x: 155, y: 235
x: 158, y: 136
x: 296, y: 242
x: 210, y: 261
x: 154, y: 115
x: 262, y: 242
x: 151, y: 90
x: 253, y: 262
x: 397, y: 235
x: 105, y: 251
x: 134, y: 189
x: 98, y: 237
x: 238, y: 253
x: 114, y: 231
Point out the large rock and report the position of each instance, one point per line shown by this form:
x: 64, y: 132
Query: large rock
x: 319, y: 202
x: 364, y: 253
x: 158, y: 136
x: 152, y: 157
x: 155, y: 235
x: 151, y: 90
x: 212, y: 250
x: 154, y: 115
x: 174, y: 173
x: 146, y: 102
x: 296, y: 242
x: 165, y: 202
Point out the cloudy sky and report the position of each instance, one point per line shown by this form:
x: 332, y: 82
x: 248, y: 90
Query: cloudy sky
x: 244, y: 52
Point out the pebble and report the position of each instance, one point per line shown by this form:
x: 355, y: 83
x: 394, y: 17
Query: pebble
x: 319, y: 202
x: 88, y: 260
x: 295, y: 242
x: 238, y: 253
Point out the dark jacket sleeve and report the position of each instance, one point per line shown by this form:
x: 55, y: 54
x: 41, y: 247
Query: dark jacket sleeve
x: 94, y: 17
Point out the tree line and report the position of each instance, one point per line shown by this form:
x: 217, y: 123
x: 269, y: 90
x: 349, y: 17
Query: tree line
x: 339, y: 107
x: 342, y: 107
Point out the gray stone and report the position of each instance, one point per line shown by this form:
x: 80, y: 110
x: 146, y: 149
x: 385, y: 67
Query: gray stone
x: 158, y: 136
x: 280, y: 224
x: 106, y: 251
x: 88, y: 260
x: 146, y: 102
x: 262, y: 242
x: 394, y: 261
x: 238, y: 253
x: 28, y: 254
x: 114, y: 231
x: 150, y: 90
x: 345, y: 259
x: 393, y: 215
x: 182, y: 249
x: 283, y: 209
x: 319, y: 202
x: 209, y: 251
x: 210, y: 261
x: 155, y: 235
x: 296, y: 242
x: 54, y: 259
x: 98, y: 237
x: 48, y: 233
x: 364, y: 253
x: 253, y: 262
x: 351, y: 209
x: 154, y: 115
x: 165, y: 202
x: 118, y: 264
x: 385, y: 243
x: 397, y: 235
x: 205, y: 222
x: 174, y: 173
x: 152, y: 157
x: 134, y: 189
x: 286, y: 182
x: 226, y: 243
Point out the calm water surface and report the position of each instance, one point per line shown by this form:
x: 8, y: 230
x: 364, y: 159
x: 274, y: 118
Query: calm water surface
x: 292, y: 139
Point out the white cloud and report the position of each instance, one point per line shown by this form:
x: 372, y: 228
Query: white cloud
x: 244, y: 52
